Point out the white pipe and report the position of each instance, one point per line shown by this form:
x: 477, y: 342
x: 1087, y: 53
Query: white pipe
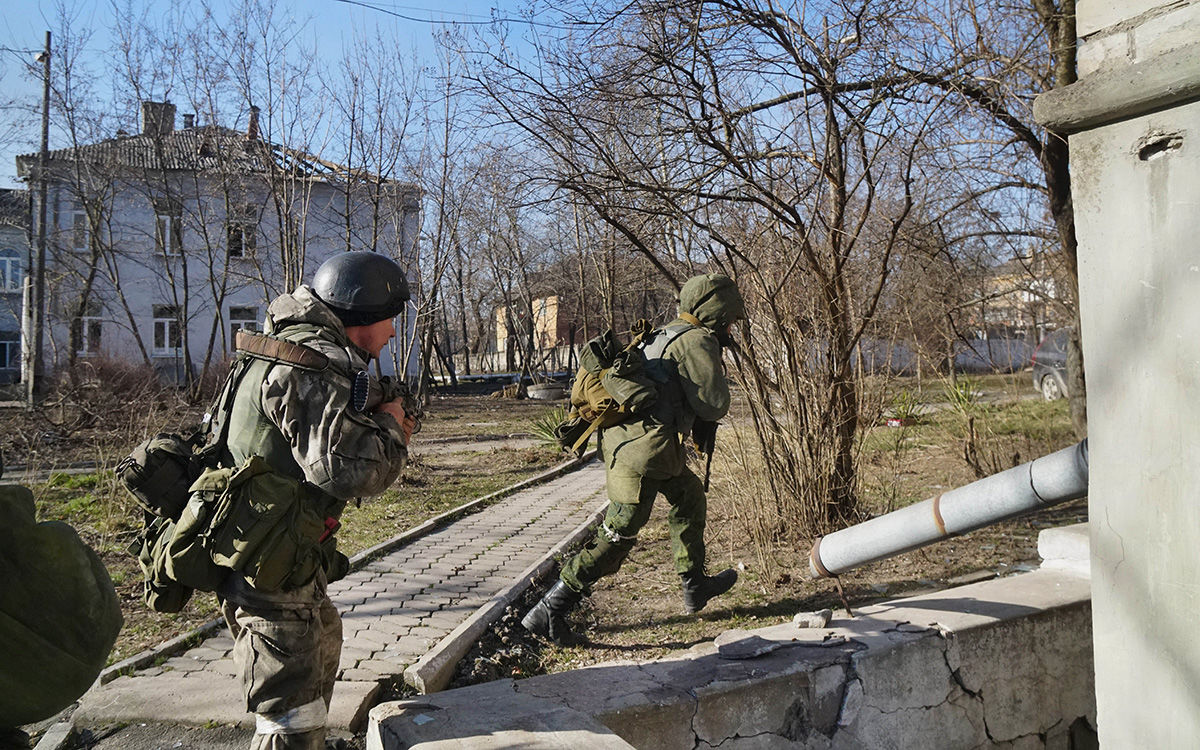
x: 1049, y: 480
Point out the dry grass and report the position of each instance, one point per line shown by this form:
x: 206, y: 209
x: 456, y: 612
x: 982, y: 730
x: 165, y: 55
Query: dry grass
x: 638, y: 612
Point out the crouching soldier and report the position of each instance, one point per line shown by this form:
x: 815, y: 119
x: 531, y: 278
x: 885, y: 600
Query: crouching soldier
x: 645, y: 456
x: 307, y: 425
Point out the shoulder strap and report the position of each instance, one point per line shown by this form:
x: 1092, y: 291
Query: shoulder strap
x: 280, y: 351
x: 218, y: 413
x: 655, y: 349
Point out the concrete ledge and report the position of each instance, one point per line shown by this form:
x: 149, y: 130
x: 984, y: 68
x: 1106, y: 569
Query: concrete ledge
x: 992, y: 663
x: 1147, y: 86
x: 1066, y: 548
x: 529, y: 722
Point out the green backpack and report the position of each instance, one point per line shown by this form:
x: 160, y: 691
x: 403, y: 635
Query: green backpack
x: 204, y: 521
x: 614, y: 384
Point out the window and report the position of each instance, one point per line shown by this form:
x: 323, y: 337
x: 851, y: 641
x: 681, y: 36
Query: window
x: 10, y: 350
x: 241, y: 231
x: 168, y: 226
x: 11, y: 274
x: 79, y: 229
x: 168, y: 341
x: 85, y: 335
x: 239, y: 318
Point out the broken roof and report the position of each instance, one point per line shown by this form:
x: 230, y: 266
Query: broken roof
x: 204, y: 149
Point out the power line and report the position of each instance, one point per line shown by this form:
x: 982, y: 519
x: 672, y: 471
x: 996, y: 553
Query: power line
x: 431, y: 21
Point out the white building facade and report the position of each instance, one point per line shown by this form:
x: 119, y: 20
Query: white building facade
x: 162, y: 244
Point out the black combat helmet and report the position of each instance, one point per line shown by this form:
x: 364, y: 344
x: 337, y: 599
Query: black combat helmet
x: 361, y: 287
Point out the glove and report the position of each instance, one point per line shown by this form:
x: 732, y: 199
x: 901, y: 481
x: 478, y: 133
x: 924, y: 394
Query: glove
x: 704, y: 435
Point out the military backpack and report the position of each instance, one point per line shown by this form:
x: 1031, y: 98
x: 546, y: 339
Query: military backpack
x: 615, y: 384
x: 204, y: 521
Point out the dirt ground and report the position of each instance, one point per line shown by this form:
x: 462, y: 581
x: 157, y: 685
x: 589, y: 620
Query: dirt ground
x: 635, y: 614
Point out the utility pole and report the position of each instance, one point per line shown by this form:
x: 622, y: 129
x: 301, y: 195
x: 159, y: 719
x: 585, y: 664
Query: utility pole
x: 35, y: 310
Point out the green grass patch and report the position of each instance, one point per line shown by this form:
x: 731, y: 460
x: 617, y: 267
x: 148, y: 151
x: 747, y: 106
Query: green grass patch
x: 66, y: 481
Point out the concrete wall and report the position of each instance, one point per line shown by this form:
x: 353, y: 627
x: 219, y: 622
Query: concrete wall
x: 1135, y: 152
x: 1002, y: 663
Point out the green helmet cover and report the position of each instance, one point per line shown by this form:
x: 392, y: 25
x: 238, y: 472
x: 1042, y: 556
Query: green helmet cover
x: 714, y: 299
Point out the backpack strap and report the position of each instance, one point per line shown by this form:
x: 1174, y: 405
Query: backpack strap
x: 595, y: 423
x: 218, y: 413
x: 279, y: 351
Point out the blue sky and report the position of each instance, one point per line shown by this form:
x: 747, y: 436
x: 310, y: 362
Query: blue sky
x: 331, y: 23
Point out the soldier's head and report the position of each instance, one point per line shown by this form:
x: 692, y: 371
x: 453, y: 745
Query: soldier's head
x: 714, y: 300
x: 365, y: 291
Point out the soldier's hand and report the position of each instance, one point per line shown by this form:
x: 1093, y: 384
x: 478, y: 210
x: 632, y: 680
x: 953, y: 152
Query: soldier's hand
x: 396, y: 410
x: 409, y: 425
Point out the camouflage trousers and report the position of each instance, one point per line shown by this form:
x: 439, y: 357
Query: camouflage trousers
x: 631, y: 498
x: 287, y: 659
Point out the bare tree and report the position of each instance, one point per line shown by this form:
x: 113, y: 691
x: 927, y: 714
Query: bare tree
x: 762, y: 140
x: 994, y: 58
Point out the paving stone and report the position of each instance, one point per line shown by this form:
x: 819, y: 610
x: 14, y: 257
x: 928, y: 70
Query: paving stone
x: 183, y: 664
x: 375, y: 638
x: 431, y: 632
x: 448, y: 620
x: 225, y: 666
x: 384, y: 667
x: 393, y: 611
x: 220, y: 643
x: 393, y: 628
x: 204, y: 653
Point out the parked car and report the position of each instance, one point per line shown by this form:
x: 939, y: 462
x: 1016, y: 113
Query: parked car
x: 1050, y: 365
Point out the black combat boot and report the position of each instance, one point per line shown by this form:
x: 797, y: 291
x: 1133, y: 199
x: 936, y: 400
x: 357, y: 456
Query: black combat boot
x: 699, y: 588
x: 548, y: 618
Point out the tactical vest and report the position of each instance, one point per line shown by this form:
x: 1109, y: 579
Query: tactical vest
x: 665, y: 371
x: 252, y: 433
x: 255, y: 514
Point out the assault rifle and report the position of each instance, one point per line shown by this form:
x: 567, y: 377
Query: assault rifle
x: 368, y: 393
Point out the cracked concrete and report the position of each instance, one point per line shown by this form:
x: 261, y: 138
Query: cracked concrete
x: 999, y: 663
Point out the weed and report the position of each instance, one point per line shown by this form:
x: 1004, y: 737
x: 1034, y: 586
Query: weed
x: 80, y: 503
x: 543, y: 428
x: 963, y: 395
x: 907, y: 406
x: 73, y: 481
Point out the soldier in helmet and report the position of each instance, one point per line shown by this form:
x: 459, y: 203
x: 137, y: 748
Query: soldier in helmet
x: 305, y: 424
x: 645, y: 457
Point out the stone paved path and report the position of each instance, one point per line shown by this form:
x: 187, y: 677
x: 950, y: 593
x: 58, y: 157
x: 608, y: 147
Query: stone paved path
x: 393, y: 611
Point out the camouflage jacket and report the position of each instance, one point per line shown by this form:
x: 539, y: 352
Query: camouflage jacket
x: 302, y: 421
x: 303, y: 424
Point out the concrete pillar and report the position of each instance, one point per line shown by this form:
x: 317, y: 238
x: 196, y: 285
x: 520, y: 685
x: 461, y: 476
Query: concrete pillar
x: 1134, y: 120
